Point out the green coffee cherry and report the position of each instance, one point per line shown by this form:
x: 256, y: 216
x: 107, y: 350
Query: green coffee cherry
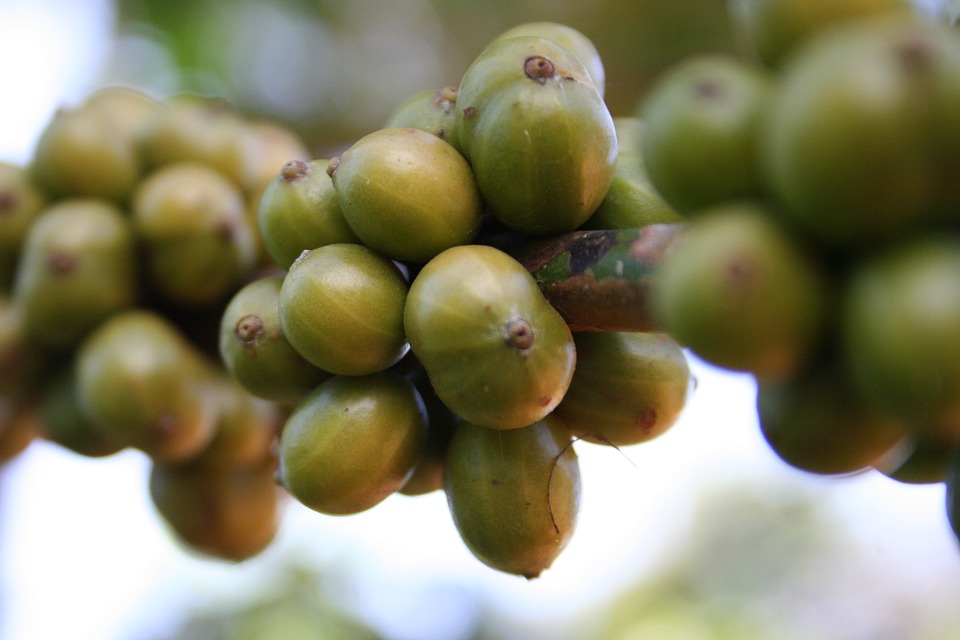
x: 775, y: 29
x: 352, y: 442
x: 571, y: 39
x: 901, y: 332
x: 514, y: 495
x: 255, y: 351
x: 433, y: 111
x: 742, y: 293
x: 130, y: 110
x: 341, y: 307
x: 78, y: 267
x: 141, y: 384
x: 85, y: 153
x: 231, y: 514
x: 860, y: 141
x: 497, y: 353
x: 197, y: 240
x: 278, y: 145
x: 627, y: 387
x: 20, y: 204
x: 816, y: 422
x: 538, y: 135
x: 702, y: 122
x: 299, y: 210
x: 407, y: 194
x: 632, y: 200
x: 191, y: 128
x: 246, y: 428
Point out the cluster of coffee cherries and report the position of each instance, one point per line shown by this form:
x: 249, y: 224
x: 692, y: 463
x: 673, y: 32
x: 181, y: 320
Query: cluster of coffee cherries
x: 820, y: 177
x: 121, y: 241
x: 413, y: 350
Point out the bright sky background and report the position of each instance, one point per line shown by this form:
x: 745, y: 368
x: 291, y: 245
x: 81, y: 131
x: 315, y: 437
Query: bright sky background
x: 83, y: 556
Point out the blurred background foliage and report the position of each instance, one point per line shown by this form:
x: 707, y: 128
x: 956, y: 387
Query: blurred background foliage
x: 753, y: 567
x: 334, y: 71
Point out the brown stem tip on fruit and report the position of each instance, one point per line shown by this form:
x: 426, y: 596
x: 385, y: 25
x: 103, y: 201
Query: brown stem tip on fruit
x: 915, y: 54
x: 446, y: 98
x: 294, y: 170
x: 248, y: 329
x: 539, y: 68
x: 708, y: 90
x: 332, y: 165
x: 520, y: 335
x: 62, y: 263
x: 8, y: 200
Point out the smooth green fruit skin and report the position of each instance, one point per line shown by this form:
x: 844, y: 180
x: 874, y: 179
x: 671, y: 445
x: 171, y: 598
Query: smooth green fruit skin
x: 192, y: 128
x: 341, y: 307
x: 702, y: 121
x: 775, y: 29
x: 229, y: 514
x: 901, y: 332
x: 84, y: 153
x: 458, y: 318
x: 627, y: 387
x: 352, y: 442
x: 576, y: 42
x: 861, y: 138
x: 816, y: 422
x: 632, y: 200
x: 197, y: 240
x: 299, y: 210
x: 543, y: 149
x: 407, y: 194
x: 917, y: 460
x: 63, y: 421
x: 433, y: 111
x: 255, y: 351
x: 130, y: 110
x: 142, y: 384
x: 246, y: 429
x: 21, y: 202
x: 23, y: 367
x: 741, y: 293
x: 78, y: 266
x: 514, y: 495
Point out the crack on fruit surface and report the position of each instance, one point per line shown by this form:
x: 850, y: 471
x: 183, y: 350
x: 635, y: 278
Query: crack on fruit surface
x: 248, y: 329
x: 294, y: 170
x: 520, y: 335
x: 556, y: 461
x: 539, y: 68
